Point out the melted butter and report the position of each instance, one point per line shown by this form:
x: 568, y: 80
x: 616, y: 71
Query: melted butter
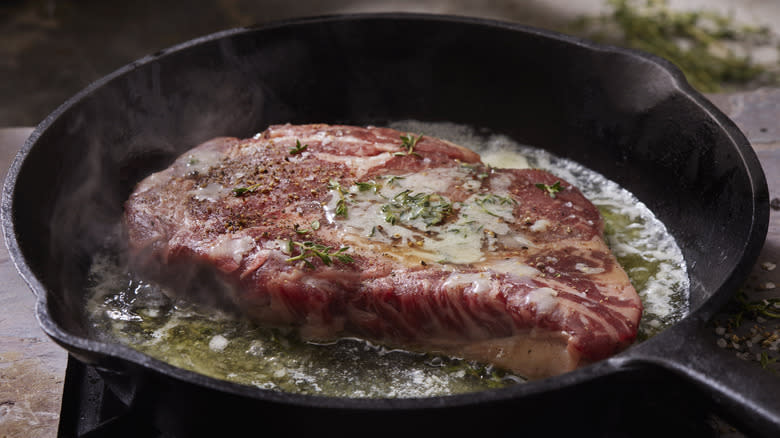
x: 200, y: 161
x: 212, y: 192
x: 360, y: 165
x: 540, y: 226
x: 232, y: 247
x: 543, y: 299
x: 470, y: 232
x: 476, y: 283
x: 513, y: 266
x: 504, y: 159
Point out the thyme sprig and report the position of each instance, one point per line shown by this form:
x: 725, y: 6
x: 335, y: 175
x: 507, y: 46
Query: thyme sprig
x: 393, y: 180
x: 308, y: 249
x: 550, y: 189
x: 408, y: 142
x: 371, y: 185
x: 767, y: 308
x: 492, y: 199
x: 430, y: 207
x: 711, y: 48
x: 765, y: 360
x: 341, y: 204
x: 238, y: 191
x: 480, y: 171
x: 299, y: 148
x: 315, y: 225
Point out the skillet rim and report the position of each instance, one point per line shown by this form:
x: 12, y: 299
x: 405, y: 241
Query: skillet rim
x: 102, y: 352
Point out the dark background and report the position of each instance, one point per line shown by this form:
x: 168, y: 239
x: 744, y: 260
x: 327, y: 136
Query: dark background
x: 51, y: 49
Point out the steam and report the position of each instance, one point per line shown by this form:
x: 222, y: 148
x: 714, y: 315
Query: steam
x: 132, y: 124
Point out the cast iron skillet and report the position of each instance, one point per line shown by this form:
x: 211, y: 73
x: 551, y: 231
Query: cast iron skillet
x: 625, y: 114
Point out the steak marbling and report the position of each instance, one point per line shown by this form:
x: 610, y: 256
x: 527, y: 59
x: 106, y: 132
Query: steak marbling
x: 409, y: 241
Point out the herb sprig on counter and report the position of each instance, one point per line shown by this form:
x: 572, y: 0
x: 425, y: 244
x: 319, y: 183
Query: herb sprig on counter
x: 711, y: 48
x: 749, y: 326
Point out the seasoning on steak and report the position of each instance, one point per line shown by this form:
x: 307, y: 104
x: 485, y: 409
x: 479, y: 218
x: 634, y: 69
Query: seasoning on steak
x: 402, y: 239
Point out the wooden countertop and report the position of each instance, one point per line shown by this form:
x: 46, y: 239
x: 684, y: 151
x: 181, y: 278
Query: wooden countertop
x: 32, y: 367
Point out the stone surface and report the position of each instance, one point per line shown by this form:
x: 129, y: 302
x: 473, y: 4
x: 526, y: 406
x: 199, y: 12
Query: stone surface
x: 32, y: 367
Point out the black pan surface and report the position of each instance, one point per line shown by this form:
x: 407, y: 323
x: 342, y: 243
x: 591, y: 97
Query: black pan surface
x: 627, y: 115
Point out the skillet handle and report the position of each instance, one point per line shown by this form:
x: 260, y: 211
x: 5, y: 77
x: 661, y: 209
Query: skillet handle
x: 742, y: 393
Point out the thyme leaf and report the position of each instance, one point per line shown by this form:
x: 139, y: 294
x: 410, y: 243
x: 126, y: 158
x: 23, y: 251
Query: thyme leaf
x: 706, y: 45
x: 550, y: 189
x: 238, y: 191
x: 308, y: 250
x: 430, y: 207
x: 341, y: 204
x: 765, y: 360
x: 368, y: 185
x: 314, y: 227
x: 491, y: 199
x: 298, y: 148
x: 393, y: 180
x: 408, y: 142
x: 341, y: 208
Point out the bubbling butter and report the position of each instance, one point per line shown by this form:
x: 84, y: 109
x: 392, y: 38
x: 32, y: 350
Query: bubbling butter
x: 392, y: 211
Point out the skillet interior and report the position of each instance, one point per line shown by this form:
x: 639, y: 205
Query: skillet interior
x: 627, y: 115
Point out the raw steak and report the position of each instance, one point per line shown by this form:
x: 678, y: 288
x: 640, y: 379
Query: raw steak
x: 405, y: 240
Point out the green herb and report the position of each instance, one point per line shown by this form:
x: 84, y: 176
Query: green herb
x: 767, y: 308
x: 491, y: 199
x: 314, y: 227
x: 341, y: 208
x: 408, y: 142
x: 192, y: 161
x: 238, y: 191
x: 369, y: 185
x: 550, y: 189
x: 393, y: 180
x: 298, y: 148
x: 475, y: 167
x: 309, y: 249
x: 341, y: 204
x: 765, y: 360
x: 430, y: 207
x: 701, y: 43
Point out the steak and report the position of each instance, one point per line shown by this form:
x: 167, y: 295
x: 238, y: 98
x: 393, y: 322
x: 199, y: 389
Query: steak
x: 406, y: 240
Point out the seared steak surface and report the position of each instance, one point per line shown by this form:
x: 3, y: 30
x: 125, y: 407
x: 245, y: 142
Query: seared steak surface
x: 380, y: 234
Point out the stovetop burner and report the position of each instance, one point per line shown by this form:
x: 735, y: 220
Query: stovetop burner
x: 91, y: 410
